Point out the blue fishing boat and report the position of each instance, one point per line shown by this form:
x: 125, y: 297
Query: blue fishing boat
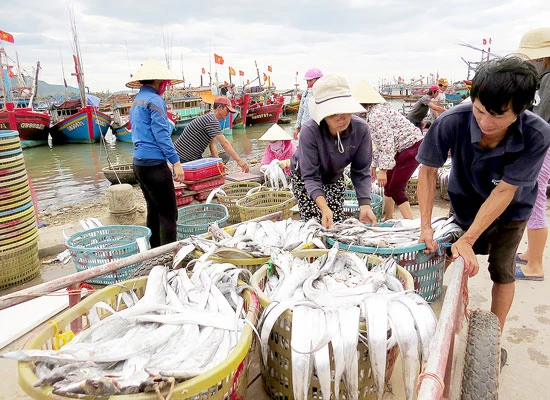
x: 185, y: 109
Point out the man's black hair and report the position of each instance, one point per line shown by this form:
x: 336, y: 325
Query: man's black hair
x: 504, y: 82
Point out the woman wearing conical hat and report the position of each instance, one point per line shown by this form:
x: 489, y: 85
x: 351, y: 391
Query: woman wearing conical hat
x: 156, y: 163
x: 395, y: 145
x: 280, y: 148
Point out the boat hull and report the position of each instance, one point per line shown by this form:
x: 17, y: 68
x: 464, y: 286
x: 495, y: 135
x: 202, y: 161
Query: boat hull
x: 33, y: 126
x: 123, y: 133
x: 86, y: 126
x: 264, y: 114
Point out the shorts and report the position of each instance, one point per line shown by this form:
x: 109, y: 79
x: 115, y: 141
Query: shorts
x: 500, y: 241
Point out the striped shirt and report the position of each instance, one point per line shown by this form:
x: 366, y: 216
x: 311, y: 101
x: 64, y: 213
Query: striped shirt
x: 196, y: 137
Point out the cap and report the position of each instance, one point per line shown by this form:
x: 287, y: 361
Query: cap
x: 433, y: 88
x: 225, y: 101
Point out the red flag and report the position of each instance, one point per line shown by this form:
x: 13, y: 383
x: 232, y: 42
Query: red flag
x: 232, y: 71
x: 269, y: 69
x: 218, y: 59
x: 241, y: 73
x: 484, y: 41
x: 203, y: 71
x: 265, y: 77
x: 10, y: 71
x: 5, y: 36
x: 76, y: 69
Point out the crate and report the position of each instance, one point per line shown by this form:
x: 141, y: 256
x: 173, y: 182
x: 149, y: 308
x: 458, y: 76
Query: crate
x: 184, y: 200
x: 195, y: 219
x: 351, y: 207
x: 97, y: 246
x: 19, y: 265
x: 227, y: 380
x: 277, y: 375
x: 266, y: 202
x: 203, y: 195
x: 201, y: 163
x: 205, y: 172
x: 427, y: 270
x: 234, y: 191
x: 209, y: 183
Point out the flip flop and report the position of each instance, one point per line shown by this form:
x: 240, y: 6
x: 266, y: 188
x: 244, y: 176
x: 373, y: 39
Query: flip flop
x: 519, y: 260
x: 519, y: 275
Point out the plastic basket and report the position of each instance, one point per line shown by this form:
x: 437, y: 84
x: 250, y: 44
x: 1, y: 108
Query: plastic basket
x: 97, y: 246
x: 234, y: 191
x: 204, y: 172
x: 19, y: 265
x: 184, y: 200
x: 427, y: 270
x: 206, y: 184
x: 351, y: 207
x: 195, y: 219
x: 266, y: 202
x: 228, y: 380
x: 410, y: 190
x: 277, y: 374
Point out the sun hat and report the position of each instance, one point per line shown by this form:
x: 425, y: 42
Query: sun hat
x: 534, y: 44
x: 366, y: 94
x: 152, y: 70
x: 433, y: 88
x: 313, y: 73
x: 332, y: 95
x: 443, y: 81
x: 225, y: 100
x: 275, y: 132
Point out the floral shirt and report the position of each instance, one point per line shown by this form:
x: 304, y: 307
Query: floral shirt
x: 303, y: 112
x: 391, y: 133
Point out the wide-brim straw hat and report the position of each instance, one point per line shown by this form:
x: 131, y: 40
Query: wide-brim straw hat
x: 534, y: 44
x: 275, y: 132
x: 443, y: 81
x: 331, y: 96
x: 152, y: 70
x: 366, y: 94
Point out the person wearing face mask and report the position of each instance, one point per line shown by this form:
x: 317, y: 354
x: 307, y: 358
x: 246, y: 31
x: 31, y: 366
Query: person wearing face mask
x: 535, y: 48
x: 156, y: 163
x: 280, y: 148
x: 311, y: 76
x: 333, y: 139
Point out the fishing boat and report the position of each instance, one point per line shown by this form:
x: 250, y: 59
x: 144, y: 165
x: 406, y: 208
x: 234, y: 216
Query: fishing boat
x: 291, y: 108
x: 186, y: 109
x: 17, y: 113
x: 120, y: 124
x: 254, y: 112
x: 78, y: 121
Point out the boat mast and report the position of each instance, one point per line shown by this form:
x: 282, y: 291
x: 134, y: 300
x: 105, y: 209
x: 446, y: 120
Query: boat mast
x: 258, y: 72
x: 79, y: 72
x: 34, y: 88
x: 4, y: 90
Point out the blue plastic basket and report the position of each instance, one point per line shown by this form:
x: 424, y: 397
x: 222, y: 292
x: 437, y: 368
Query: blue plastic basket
x: 195, y: 219
x: 351, y: 206
x: 97, y: 246
x: 427, y: 270
x: 201, y: 163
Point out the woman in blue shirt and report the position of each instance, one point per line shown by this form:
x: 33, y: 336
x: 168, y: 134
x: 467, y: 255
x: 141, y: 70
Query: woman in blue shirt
x: 153, y: 150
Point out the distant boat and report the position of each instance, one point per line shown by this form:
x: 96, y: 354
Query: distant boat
x: 186, y: 109
x: 78, y: 121
x: 255, y: 113
x: 291, y: 108
x: 16, y: 112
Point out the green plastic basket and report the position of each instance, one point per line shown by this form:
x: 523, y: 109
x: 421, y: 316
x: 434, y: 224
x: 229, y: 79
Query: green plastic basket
x: 351, y: 207
x: 195, y: 219
x: 97, y: 246
x: 427, y: 270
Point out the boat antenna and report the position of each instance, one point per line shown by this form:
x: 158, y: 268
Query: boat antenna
x: 79, y: 72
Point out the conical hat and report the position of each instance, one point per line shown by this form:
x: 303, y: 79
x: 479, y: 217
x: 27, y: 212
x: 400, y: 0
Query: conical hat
x: 275, y: 133
x: 152, y: 70
x: 365, y: 94
x: 534, y: 44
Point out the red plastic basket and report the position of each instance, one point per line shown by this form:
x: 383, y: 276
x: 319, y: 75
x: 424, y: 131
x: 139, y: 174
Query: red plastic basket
x: 204, y: 172
x: 201, y: 196
x: 183, y: 200
x: 206, y: 184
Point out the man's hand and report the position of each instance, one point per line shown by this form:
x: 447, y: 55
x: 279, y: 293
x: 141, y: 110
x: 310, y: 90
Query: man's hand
x: 179, y: 175
x: 464, y: 249
x: 244, y: 166
x: 366, y: 215
x: 427, y: 237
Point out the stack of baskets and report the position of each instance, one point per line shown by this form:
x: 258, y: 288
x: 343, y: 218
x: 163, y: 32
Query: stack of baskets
x: 412, y: 186
x: 233, y: 192
x: 195, y: 219
x: 351, y: 207
x: 266, y: 202
x: 227, y: 380
x: 277, y: 374
x: 97, y: 246
x: 19, y: 261
x: 427, y: 270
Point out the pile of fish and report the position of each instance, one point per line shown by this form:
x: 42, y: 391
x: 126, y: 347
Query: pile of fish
x: 329, y: 297
x: 182, y: 326
x: 257, y: 239
x: 392, y: 233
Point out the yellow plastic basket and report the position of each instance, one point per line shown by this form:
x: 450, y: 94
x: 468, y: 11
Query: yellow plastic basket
x: 19, y: 264
x: 266, y: 202
x: 228, y: 380
x: 277, y: 374
x: 234, y: 191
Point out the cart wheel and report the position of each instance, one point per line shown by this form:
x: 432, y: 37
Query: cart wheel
x: 482, y: 363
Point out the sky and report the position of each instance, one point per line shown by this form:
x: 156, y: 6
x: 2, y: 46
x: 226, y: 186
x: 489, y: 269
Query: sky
x: 376, y: 41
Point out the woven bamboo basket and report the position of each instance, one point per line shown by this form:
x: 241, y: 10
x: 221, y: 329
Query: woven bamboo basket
x: 234, y: 191
x: 266, y: 202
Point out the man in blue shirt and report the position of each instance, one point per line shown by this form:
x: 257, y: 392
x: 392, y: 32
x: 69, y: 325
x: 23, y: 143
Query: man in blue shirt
x: 497, y: 149
x: 153, y: 148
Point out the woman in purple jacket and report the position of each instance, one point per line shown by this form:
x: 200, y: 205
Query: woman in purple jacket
x: 328, y: 143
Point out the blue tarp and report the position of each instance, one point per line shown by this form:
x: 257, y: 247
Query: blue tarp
x: 92, y: 100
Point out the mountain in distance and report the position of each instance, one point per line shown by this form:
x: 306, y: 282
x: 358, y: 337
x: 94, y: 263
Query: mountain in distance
x: 46, y: 90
